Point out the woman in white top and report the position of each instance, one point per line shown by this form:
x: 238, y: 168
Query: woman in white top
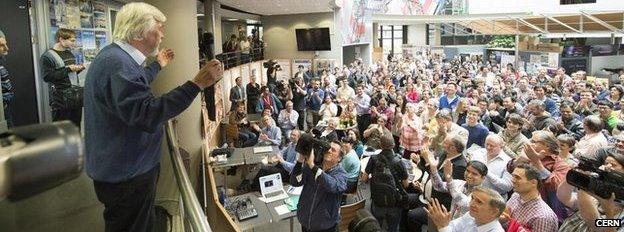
x: 328, y: 109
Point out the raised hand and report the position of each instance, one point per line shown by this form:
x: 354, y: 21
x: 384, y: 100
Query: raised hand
x: 209, y: 74
x: 448, y: 168
x: 438, y: 213
x: 164, y: 57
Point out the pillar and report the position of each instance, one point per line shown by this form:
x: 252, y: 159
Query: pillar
x: 437, y: 35
x: 375, y: 35
x: 212, y: 23
x: 181, y: 36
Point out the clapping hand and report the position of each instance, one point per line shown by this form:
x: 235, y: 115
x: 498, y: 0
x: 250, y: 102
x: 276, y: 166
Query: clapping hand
x: 164, y: 57
x: 263, y: 136
x: 438, y: 213
x: 531, y: 153
x: 448, y: 168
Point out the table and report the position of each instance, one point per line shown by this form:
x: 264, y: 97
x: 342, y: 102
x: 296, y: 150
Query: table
x: 242, y: 156
x: 266, y: 212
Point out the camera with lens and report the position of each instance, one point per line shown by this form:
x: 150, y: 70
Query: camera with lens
x: 307, y: 143
x: 272, y: 64
x: 589, y: 177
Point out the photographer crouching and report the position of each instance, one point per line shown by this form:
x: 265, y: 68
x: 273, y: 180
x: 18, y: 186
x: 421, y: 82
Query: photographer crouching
x: 324, y: 182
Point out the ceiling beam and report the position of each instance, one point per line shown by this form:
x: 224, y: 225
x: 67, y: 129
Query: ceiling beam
x: 531, y: 25
x: 562, y: 24
x: 602, y: 23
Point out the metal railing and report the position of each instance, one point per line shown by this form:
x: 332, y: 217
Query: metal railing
x: 233, y: 59
x: 192, y: 209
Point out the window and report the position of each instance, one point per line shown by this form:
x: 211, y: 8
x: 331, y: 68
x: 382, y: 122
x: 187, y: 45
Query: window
x: 569, y: 2
x: 391, y: 39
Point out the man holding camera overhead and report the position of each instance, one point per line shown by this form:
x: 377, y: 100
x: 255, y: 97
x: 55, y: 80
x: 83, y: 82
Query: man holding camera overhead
x: 323, y: 185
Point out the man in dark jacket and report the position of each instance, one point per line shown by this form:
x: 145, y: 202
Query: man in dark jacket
x: 319, y: 204
x: 387, y: 215
x: 60, y: 70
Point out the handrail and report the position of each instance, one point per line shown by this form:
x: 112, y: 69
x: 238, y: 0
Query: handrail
x: 192, y: 208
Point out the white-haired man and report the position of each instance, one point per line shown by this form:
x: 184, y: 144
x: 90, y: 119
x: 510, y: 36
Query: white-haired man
x: 123, y: 120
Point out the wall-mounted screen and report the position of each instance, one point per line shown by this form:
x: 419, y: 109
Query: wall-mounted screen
x: 313, y: 39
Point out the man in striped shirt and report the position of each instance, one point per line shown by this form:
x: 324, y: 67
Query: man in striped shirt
x: 526, y: 205
x: 5, y: 81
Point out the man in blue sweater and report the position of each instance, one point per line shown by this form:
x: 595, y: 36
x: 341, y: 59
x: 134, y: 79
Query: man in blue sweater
x: 322, y: 190
x: 477, y: 132
x: 123, y: 119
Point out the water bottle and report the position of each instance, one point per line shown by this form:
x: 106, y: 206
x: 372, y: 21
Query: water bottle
x: 223, y: 199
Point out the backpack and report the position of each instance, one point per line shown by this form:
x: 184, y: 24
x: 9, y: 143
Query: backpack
x: 386, y: 191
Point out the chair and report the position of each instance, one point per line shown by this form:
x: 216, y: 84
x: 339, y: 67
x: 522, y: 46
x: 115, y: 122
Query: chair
x: 348, y: 213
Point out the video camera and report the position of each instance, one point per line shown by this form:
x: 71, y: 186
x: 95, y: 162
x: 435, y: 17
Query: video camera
x: 307, y: 143
x: 589, y: 177
x: 39, y: 157
x: 272, y: 64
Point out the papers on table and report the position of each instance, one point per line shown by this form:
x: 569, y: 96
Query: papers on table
x: 263, y: 149
x: 294, y: 190
x: 282, y: 209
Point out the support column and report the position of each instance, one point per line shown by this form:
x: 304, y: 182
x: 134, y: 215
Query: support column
x: 212, y: 20
x: 437, y: 35
x: 375, y: 35
x: 181, y: 36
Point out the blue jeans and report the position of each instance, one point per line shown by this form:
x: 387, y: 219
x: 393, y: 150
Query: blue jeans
x: 8, y: 114
x: 249, y: 138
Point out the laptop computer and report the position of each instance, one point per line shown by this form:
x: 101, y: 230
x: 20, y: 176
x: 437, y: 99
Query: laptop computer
x: 271, y: 188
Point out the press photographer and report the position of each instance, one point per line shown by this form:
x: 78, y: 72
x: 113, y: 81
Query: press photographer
x: 599, y: 185
x: 272, y: 69
x: 323, y: 180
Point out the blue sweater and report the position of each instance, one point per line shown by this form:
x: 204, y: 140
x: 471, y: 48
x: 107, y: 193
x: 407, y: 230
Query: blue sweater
x: 476, y: 134
x: 321, y: 196
x: 123, y: 119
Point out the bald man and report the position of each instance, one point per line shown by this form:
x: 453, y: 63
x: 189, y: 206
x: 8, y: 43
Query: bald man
x: 496, y: 160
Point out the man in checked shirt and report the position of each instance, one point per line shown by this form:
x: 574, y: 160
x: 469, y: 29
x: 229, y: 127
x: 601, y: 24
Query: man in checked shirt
x: 526, y: 206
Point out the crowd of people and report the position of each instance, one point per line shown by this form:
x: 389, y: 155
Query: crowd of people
x: 495, y: 142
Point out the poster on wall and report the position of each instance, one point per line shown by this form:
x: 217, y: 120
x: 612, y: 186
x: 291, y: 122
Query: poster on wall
x: 219, y: 96
x: 86, y: 14
x: 306, y: 63
x: 227, y: 82
x: 255, y: 69
x: 65, y: 14
x: 320, y: 64
x: 100, y: 40
x: 245, y: 73
x: 286, y: 73
x: 356, y: 22
x: 508, y: 59
x: 553, y: 59
x: 414, y: 7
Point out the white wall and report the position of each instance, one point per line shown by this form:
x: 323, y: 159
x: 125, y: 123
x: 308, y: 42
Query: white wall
x: 539, y: 6
x: 599, y: 62
x: 417, y: 34
x: 279, y: 35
